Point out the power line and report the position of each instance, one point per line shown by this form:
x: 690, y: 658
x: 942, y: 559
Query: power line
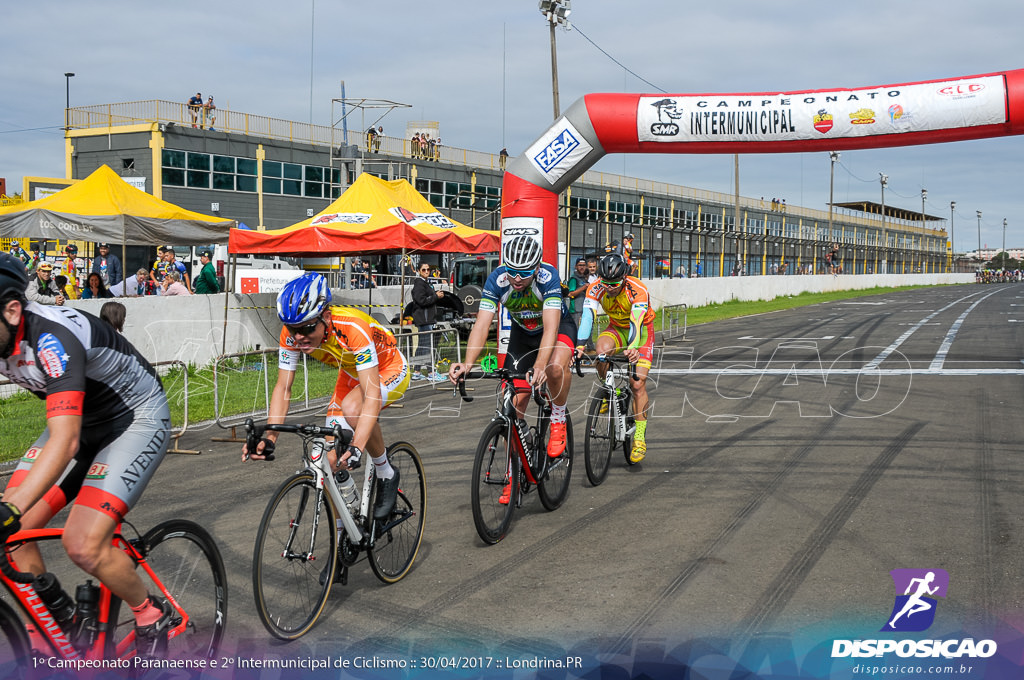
x: 632, y: 73
x: 51, y: 127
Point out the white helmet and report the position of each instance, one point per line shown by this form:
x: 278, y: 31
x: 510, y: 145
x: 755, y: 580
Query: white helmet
x: 521, y: 252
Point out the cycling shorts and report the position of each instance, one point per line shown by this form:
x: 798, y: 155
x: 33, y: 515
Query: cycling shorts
x: 620, y: 335
x: 394, y: 379
x: 523, y: 347
x: 114, y: 462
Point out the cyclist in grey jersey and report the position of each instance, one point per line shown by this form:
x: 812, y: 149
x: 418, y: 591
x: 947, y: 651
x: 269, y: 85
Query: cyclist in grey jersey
x: 107, y: 429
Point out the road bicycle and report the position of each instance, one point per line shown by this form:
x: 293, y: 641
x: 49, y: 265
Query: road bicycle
x: 177, y: 560
x: 511, y: 458
x: 610, y: 422
x: 312, y: 532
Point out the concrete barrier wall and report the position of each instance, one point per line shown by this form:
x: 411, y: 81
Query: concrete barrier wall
x: 196, y: 329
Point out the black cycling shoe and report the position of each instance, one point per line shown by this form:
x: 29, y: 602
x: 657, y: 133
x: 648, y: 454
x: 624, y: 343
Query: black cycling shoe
x: 151, y: 640
x: 387, y: 494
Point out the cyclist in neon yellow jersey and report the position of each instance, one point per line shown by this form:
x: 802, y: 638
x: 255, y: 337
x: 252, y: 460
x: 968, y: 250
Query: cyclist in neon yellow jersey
x: 630, y: 331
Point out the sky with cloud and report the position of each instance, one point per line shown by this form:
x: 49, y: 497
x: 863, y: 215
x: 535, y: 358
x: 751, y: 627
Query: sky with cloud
x: 483, y: 70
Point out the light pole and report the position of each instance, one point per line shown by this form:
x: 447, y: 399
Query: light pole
x: 557, y: 12
x: 884, y: 180
x: 952, y: 233
x: 67, y: 100
x: 924, y: 196
x: 1004, y: 238
x: 834, y: 158
x: 979, y: 233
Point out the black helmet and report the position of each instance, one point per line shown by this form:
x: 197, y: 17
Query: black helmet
x: 612, y: 267
x: 71, y: 249
x: 13, y: 277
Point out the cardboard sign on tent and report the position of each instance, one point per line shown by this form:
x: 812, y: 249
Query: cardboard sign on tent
x: 373, y: 216
x: 104, y: 208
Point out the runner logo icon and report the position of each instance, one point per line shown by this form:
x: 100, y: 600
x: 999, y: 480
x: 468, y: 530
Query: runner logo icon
x: 916, y: 593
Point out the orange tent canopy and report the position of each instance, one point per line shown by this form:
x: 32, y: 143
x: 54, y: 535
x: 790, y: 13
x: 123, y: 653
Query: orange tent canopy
x: 373, y: 216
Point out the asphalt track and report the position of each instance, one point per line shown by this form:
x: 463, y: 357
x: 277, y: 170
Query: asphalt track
x: 795, y: 458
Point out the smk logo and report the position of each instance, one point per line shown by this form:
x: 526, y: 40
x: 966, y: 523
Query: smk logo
x: 667, y: 109
x: 916, y: 593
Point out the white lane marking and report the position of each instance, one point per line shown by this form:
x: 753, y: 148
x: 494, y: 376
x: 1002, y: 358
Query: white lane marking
x: 884, y: 354
x: 947, y: 342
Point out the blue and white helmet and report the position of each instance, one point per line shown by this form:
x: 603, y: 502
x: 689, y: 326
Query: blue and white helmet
x: 303, y: 299
x: 521, y: 252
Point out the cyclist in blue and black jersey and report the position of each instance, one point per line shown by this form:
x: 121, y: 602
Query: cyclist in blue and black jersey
x: 108, y: 426
x: 543, y: 331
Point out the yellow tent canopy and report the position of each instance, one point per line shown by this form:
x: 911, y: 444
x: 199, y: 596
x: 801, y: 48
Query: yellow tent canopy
x: 104, y: 208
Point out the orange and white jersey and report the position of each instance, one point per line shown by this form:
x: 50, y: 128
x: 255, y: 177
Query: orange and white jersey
x: 354, y: 342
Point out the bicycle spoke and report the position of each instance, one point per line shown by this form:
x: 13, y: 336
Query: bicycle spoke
x: 398, y: 542
x: 294, y: 558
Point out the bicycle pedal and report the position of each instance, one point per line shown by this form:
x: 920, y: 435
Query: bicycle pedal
x: 341, y: 575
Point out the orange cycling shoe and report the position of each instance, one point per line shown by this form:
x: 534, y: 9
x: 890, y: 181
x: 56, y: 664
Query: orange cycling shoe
x: 556, y: 442
x: 506, y: 494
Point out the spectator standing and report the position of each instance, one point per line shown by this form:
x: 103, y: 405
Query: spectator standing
x: 172, y: 284
x: 132, y: 287
x: 577, y: 285
x: 415, y: 145
x: 591, y: 269
x: 107, y: 265
x: 70, y: 268
x: 206, y: 282
x: 20, y: 253
x: 42, y: 288
x: 376, y: 138
x: 37, y: 257
x: 437, y: 150
x: 502, y: 158
x: 94, y: 287
x: 210, y: 112
x: 371, y: 136
x: 424, y: 314
x: 194, y: 105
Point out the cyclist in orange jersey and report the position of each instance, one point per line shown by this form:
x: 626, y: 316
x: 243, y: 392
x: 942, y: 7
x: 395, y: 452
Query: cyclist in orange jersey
x: 630, y: 330
x: 372, y: 375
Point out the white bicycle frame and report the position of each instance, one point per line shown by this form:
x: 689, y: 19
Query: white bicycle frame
x: 320, y: 465
x: 613, y: 404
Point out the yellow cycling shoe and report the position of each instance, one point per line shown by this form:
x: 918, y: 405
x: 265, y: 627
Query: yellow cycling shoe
x: 604, y: 407
x: 638, y: 452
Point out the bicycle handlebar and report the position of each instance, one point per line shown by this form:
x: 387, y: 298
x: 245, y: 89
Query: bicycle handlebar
x: 613, y: 359
x: 253, y: 434
x: 496, y: 374
x: 10, y: 572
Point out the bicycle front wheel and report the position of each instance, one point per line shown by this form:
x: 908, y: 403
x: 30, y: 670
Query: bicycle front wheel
x: 295, y: 556
x: 553, y: 486
x: 397, y: 539
x: 15, y: 648
x: 495, y: 472
x: 599, y: 439
x: 187, y: 566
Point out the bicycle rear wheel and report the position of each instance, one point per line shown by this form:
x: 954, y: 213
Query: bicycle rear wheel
x: 15, y: 647
x: 185, y: 559
x: 553, y: 486
x: 397, y: 539
x: 295, y: 556
x: 599, y: 440
x: 495, y: 466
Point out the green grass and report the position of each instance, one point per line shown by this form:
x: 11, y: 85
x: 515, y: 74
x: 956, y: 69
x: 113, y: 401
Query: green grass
x: 241, y: 387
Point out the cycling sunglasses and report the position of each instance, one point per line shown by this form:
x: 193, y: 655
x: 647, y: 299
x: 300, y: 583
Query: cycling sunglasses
x: 520, y: 273
x: 612, y: 284
x: 306, y: 330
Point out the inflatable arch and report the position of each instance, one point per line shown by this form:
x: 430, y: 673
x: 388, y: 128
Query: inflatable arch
x: 927, y: 112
